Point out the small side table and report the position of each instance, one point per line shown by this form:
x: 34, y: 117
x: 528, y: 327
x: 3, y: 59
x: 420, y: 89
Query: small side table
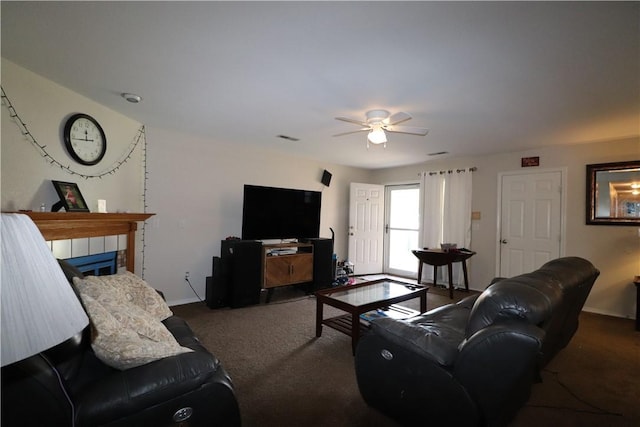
x: 636, y: 281
x: 438, y: 257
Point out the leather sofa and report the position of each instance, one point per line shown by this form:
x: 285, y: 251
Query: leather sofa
x: 187, y: 389
x: 473, y: 363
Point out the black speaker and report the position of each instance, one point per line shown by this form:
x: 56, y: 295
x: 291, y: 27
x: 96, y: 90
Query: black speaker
x: 241, y: 263
x: 216, y: 290
x: 323, y: 271
x: 326, y: 178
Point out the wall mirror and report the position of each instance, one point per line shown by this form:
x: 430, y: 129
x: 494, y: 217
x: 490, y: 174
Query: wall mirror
x: 613, y: 193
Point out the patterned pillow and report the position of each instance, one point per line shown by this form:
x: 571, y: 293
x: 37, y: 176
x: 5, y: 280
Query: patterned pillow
x: 124, y: 334
x: 129, y: 287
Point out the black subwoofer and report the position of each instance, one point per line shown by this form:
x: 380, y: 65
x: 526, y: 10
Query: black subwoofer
x: 241, y: 264
x: 323, y: 270
x: 216, y: 290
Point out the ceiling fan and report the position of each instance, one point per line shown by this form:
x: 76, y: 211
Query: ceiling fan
x: 379, y: 121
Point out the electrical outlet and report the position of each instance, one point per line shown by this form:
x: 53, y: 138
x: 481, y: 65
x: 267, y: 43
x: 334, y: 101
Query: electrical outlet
x: 186, y: 276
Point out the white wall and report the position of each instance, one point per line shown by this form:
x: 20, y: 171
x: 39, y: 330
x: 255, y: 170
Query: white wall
x: 614, y: 250
x: 194, y: 185
x: 197, y: 192
x: 44, y: 106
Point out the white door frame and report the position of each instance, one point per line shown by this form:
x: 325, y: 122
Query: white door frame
x: 563, y: 207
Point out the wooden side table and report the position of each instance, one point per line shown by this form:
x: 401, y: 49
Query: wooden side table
x: 438, y: 257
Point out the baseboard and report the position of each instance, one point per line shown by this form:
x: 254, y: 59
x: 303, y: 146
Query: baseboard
x: 606, y: 313
x: 183, y: 301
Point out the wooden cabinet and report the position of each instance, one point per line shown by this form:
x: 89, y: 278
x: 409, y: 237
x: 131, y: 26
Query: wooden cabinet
x: 287, y: 264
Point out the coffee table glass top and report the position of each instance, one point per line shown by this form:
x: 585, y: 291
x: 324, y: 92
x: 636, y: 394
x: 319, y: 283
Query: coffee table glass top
x: 377, y: 291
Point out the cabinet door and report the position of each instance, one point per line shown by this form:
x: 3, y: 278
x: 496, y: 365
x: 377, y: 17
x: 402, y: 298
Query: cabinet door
x: 288, y: 269
x: 301, y: 268
x: 277, y: 271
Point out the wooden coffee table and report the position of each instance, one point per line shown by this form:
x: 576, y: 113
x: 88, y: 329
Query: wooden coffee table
x: 362, y: 298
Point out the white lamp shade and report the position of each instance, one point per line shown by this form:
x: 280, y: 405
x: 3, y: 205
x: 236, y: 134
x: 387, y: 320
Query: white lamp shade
x: 39, y: 308
x: 377, y: 136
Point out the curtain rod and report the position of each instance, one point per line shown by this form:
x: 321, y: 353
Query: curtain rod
x: 472, y: 169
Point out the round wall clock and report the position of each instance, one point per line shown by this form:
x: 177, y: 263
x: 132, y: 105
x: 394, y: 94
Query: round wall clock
x: 84, y: 139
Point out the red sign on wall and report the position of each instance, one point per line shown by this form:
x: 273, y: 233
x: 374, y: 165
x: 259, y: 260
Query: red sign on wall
x: 530, y: 161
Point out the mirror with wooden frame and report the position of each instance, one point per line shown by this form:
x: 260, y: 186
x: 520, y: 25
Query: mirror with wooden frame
x: 613, y: 193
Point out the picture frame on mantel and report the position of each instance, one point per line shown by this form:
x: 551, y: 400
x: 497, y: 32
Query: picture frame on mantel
x: 70, y: 197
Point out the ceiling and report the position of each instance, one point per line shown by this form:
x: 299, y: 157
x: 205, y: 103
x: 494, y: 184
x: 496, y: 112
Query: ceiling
x: 484, y: 77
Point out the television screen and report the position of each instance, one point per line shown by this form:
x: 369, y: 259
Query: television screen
x: 280, y: 213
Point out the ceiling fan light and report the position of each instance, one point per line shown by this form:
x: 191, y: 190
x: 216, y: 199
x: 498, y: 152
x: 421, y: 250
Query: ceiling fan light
x: 377, y: 136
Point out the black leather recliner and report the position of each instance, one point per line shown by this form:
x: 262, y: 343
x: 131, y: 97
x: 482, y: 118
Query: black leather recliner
x: 473, y: 363
x: 187, y: 389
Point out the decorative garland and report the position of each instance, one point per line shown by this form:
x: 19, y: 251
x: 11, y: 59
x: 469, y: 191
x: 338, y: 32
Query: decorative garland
x: 140, y: 136
x: 144, y: 198
x: 52, y: 161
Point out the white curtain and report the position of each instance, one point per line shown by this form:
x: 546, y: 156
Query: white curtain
x: 446, y: 213
x: 432, y: 204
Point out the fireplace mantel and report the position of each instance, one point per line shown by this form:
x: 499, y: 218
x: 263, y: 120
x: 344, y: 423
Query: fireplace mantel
x: 75, y: 225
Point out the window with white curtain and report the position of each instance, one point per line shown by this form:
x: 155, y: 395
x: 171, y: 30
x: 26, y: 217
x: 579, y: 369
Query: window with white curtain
x: 446, y: 213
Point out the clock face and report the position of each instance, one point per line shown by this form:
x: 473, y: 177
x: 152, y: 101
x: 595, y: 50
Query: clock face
x: 85, y: 139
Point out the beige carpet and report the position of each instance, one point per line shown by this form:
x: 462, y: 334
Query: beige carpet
x: 285, y: 376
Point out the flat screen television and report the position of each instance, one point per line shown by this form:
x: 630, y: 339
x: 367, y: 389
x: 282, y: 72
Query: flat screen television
x: 280, y: 213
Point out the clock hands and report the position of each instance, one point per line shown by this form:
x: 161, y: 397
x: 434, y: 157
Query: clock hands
x: 86, y: 137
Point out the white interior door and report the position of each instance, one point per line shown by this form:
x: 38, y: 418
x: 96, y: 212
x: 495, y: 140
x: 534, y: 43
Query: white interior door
x: 531, y: 221
x: 366, y: 227
x: 402, y: 227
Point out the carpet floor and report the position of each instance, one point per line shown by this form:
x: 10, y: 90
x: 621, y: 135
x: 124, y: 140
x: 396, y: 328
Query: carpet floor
x: 285, y: 376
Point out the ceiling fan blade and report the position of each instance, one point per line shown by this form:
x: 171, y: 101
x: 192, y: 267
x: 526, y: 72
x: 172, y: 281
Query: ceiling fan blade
x: 353, y: 131
x: 407, y: 129
x: 348, y: 120
x: 397, y: 118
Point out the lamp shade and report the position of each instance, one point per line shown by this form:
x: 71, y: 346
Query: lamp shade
x: 39, y: 308
x: 377, y: 136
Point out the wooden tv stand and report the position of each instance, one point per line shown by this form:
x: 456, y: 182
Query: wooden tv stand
x: 286, y: 264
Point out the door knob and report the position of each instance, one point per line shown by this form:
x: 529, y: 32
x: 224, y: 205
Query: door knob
x: 503, y: 241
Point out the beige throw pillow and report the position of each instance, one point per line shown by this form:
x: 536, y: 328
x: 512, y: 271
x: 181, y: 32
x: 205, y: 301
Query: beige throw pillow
x: 135, y: 290
x: 124, y: 335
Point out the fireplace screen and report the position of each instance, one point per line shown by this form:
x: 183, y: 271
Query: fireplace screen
x: 96, y: 265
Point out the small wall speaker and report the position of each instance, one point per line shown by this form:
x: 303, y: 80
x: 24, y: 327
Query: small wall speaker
x: 326, y: 178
